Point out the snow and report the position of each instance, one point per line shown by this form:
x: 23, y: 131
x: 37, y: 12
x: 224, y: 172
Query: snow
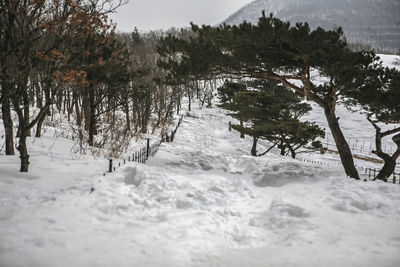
x: 201, y: 201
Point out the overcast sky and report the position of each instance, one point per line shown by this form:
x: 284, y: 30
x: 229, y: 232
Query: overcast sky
x: 162, y: 14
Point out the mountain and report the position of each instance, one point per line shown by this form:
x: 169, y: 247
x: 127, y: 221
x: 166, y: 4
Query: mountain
x: 372, y: 22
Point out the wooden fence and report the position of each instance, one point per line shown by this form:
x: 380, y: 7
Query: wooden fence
x: 372, y: 173
x: 143, y: 154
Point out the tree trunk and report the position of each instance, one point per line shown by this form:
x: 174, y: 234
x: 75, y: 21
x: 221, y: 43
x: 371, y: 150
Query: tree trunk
x: 282, y: 148
x: 390, y: 161
x: 254, y: 147
x: 343, y: 148
x: 26, y: 111
x: 387, y: 169
x: 241, y: 127
x: 39, y: 126
x: 92, y: 117
x: 23, y: 151
x: 77, y: 111
x: 8, y: 123
x: 292, y: 152
x: 86, y: 111
x: 128, y: 119
x: 190, y: 101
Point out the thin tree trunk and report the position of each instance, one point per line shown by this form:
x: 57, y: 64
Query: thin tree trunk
x: 292, y: 152
x: 92, y: 117
x: 254, y: 146
x: 241, y: 127
x: 190, y: 102
x: 39, y: 126
x: 282, y: 147
x: 8, y: 123
x: 128, y: 119
x: 77, y: 111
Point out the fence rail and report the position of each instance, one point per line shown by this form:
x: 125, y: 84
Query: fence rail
x: 143, y: 154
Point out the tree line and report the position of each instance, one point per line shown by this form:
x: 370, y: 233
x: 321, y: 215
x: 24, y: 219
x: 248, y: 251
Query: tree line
x: 64, y: 58
x: 279, y: 58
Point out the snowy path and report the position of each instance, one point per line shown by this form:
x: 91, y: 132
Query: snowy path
x: 201, y: 201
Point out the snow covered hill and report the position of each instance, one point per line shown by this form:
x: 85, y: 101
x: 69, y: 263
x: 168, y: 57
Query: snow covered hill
x: 201, y: 201
x: 373, y: 22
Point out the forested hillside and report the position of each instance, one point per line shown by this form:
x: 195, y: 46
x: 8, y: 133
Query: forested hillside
x: 370, y: 22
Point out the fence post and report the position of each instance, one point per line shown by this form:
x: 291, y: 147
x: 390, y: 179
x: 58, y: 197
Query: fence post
x: 374, y: 173
x: 110, y: 168
x: 167, y: 138
x: 394, y: 177
x: 230, y: 126
x: 148, y: 148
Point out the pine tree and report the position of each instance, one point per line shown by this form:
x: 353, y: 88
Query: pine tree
x: 270, y: 112
x: 275, y: 50
x: 378, y: 93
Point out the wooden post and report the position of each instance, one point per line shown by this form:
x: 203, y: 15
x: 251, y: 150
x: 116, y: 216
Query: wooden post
x: 172, y: 136
x: 167, y: 138
x: 374, y: 173
x: 148, y: 148
x: 394, y: 177
x: 230, y: 126
x: 129, y: 158
x: 110, y: 168
x: 124, y: 161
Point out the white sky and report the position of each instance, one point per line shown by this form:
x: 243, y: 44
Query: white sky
x: 162, y: 14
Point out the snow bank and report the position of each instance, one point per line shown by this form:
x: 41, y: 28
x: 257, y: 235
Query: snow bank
x: 201, y: 201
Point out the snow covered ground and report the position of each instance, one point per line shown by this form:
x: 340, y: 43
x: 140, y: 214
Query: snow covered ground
x: 201, y: 201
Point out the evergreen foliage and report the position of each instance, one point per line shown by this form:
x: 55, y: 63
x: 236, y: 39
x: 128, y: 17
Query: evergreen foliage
x: 275, y: 50
x: 378, y: 94
x: 271, y: 112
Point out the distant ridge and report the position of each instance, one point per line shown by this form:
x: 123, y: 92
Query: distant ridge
x: 372, y: 22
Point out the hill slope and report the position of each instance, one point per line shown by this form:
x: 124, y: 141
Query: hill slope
x: 201, y: 201
x: 373, y: 22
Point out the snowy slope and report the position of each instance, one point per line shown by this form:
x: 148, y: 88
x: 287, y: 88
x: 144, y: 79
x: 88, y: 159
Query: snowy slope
x: 374, y: 22
x: 201, y: 201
